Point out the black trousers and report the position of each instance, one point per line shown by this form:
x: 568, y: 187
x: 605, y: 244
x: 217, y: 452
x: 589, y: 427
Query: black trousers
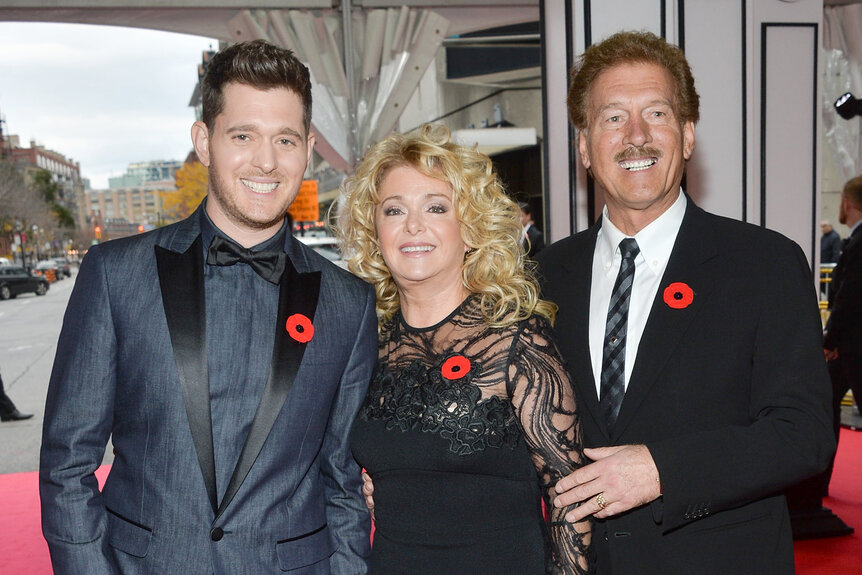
x: 844, y: 377
x: 6, y: 405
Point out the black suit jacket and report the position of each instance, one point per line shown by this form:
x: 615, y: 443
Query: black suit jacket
x: 844, y: 328
x: 830, y: 247
x: 730, y: 394
x: 537, y: 241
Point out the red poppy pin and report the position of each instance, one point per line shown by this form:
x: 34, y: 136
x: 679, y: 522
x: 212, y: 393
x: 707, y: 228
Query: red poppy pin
x: 678, y: 295
x: 300, y: 328
x: 455, y: 367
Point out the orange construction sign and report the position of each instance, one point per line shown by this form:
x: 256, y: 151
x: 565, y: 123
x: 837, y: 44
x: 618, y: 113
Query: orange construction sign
x: 305, y: 208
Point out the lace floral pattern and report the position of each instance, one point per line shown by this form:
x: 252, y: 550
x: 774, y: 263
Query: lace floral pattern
x: 419, y: 397
x: 516, y: 387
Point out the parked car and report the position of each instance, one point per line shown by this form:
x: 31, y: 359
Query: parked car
x: 16, y: 280
x: 5, y: 262
x: 44, y: 269
x: 327, y: 246
x: 63, y: 267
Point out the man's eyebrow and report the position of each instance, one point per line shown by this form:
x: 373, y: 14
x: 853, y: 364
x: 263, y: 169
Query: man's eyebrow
x: 242, y: 128
x: 253, y: 128
x: 655, y: 102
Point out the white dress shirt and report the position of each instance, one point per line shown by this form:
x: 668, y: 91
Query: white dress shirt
x: 656, y: 242
x: 524, y: 233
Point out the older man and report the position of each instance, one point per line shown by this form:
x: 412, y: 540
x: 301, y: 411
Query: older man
x: 693, y: 341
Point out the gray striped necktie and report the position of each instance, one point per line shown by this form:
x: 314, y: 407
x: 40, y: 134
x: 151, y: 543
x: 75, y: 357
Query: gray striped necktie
x: 614, y: 352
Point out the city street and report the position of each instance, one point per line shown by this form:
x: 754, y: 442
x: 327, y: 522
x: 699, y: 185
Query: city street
x: 29, y: 328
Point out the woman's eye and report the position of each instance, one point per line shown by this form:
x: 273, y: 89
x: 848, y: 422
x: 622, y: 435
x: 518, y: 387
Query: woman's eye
x: 437, y: 209
x: 391, y: 211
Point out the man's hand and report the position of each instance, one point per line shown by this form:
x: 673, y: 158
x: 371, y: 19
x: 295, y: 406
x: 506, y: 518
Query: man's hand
x: 621, y: 478
x: 368, y: 491
x: 830, y: 354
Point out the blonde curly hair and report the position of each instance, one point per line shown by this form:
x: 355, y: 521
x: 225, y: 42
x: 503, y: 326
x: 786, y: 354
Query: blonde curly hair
x: 495, y: 266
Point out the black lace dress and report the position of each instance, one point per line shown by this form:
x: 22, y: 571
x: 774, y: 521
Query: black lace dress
x: 464, y: 430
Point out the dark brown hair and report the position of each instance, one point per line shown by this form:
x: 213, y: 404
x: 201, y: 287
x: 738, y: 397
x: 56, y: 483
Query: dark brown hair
x: 631, y: 48
x: 258, y: 64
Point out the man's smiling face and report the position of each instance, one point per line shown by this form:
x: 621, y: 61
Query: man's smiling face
x: 256, y: 155
x: 635, y: 145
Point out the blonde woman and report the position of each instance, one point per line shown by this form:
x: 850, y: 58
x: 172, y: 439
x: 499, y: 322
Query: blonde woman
x: 470, y: 417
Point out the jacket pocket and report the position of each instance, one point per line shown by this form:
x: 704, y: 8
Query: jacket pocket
x: 128, y: 536
x: 305, y: 549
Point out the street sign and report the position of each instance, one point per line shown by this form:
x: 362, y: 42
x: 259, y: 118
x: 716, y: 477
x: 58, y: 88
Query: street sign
x: 305, y: 208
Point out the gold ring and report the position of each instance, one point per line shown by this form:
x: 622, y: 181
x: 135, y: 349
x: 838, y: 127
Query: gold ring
x: 600, y: 500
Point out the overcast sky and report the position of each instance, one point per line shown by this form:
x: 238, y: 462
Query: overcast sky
x: 102, y: 96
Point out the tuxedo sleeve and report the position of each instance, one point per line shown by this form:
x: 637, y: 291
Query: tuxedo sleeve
x: 348, y: 519
x: 787, y: 433
x: 77, y: 425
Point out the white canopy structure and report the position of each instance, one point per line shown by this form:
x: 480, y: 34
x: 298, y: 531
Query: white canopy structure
x: 357, y: 97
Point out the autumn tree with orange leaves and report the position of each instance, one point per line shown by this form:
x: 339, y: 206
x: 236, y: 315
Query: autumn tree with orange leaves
x: 192, y: 181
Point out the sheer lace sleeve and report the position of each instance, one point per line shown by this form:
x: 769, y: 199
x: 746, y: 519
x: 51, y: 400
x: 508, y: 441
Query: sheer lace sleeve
x: 544, y: 401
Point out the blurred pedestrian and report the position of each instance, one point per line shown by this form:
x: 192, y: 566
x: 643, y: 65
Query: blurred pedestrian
x: 830, y: 243
x: 842, y: 339
x: 532, y: 239
x: 8, y: 411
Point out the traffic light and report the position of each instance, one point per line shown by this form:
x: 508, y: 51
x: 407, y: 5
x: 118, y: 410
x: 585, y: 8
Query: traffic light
x: 98, y: 230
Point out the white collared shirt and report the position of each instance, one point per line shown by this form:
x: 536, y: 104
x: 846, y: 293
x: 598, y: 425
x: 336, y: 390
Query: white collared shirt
x: 656, y: 243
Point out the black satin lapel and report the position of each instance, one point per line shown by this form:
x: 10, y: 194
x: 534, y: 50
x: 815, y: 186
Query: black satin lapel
x: 298, y: 293
x: 182, y: 283
x: 666, y: 326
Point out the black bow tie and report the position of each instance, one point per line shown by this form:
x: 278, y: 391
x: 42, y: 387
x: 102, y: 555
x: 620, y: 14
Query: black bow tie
x: 268, y: 264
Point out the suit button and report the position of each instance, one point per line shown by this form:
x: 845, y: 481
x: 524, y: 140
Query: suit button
x: 216, y: 534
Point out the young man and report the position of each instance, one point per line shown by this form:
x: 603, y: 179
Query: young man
x: 224, y: 360
x: 693, y: 341
x: 532, y: 240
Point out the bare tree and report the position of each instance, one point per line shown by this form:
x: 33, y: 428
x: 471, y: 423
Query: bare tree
x: 21, y: 208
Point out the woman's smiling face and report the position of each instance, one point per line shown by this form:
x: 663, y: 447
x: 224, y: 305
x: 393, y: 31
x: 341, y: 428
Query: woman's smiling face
x: 418, y: 229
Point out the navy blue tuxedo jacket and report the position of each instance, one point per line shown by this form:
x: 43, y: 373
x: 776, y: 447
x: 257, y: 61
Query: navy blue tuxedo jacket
x: 131, y: 365
x: 730, y: 395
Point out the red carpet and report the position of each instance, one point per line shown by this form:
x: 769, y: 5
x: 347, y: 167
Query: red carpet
x: 23, y: 551
x: 839, y: 555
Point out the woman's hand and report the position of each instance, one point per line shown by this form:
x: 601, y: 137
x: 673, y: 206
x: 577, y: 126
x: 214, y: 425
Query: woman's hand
x: 368, y: 491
